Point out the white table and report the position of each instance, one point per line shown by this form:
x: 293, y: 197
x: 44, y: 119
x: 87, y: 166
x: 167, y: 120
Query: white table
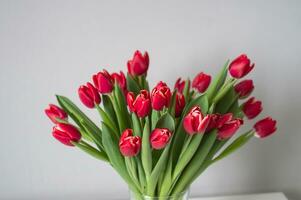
x: 266, y: 196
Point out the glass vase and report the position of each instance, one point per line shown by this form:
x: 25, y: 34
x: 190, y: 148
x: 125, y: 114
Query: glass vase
x: 181, y: 196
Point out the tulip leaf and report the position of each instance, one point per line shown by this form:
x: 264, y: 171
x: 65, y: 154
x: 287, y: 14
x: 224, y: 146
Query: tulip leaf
x: 136, y: 125
x: 91, y: 151
x: 187, y: 155
x: 180, y: 134
x: 146, y: 155
x: 119, y: 94
x: 224, y: 91
x: 115, y: 156
x: 186, y: 90
x: 226, y: 101
x: 236, y: 144
x: 155, y: 118
x: 217, y: 82
x: 107, y: 120
x: 132, y: 85
x: 236, y: 110
x: 172, y: 106
x: 195, y: 163
x: 166, y: 121
x: 109, y: 109
x: 95, y: 137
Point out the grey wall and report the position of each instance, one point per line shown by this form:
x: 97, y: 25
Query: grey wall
x: 49, y: 47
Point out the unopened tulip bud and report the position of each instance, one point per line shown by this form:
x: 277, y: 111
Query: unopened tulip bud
x: 194, y: 122
x: 265, y: 127
x: 252, y: 108
x: 241, y: 66
x: 201, y: 82
x: 129, y: 145
x: 244, y: 88
x: 66, y: 133
x: 160, y: 137
x: 103, y: 82
x: 89, y: 95
x: 141, y: 105
x: 160, y: 96
x: 139, y: 64
x: 54, y: 112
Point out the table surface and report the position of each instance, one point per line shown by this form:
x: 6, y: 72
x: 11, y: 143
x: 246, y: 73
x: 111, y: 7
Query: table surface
x: 265, y: 196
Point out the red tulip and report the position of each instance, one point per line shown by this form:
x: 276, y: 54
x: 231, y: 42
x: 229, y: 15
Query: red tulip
x: 139, y: 64
x: 244, y: 88
x: 66, y: 133
x: 121, y: 80
x: 194, y: 122
x: 140, y: 105
x: 201, y: 82
x: 160, y: 96
x: 180, y: 104
x: 180, y: 85
x: 129, y: 145
x: 89, y: 95
x: 228, y: 129
x: 252, y: 108
x: 160, y: 137
x: 265, y: 127
x: 54, y: 112
x: 241, y: 66
x: 218, y: 120
x: 103, y: 82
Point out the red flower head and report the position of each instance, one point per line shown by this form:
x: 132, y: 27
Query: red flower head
x: 201, y: 82
x: 229, y: 128
x: 194, y: 122
x: 180, y: 104
x: 121, y: 80
x: 141, y: 105
x: 160, y: 137
x: 139, y: 64
x: 180, y: 85
x: 241, y: 66
x: 103, y: 82
x: 160, y: 96
x: 66, y: 133
x: 129, y: 145
x: 244, y: 88
x: 89, y: 95
x: 265, y: 127
x: 252, y: 108
x: 54, y: 112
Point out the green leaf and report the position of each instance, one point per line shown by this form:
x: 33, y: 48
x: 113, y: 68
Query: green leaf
x: 91, y: 151
x: 155, y: 118
x: 107, y: 120
x: 122, y: 104
x: 236, y: 110
x: 224, y: 91
x: 196, y: 162
x: 166, y: 121
x: 115, y: 156
x: 172, y: 106
x: 109, y: 109
x: 136, y: 125
x: 236, y: 144
x: 186, y: 90
x: 217, y: 82
x: 95, y: 137
x: 132, y: 85
x: 226, y: 101
x: 187, y: 155
x: 146, y: 155
x: 180, y: 134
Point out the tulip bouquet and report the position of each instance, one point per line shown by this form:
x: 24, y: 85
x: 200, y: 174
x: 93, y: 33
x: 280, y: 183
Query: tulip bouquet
x: 160, y: 140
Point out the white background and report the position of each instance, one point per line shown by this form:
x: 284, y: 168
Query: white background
x: 51, y: 47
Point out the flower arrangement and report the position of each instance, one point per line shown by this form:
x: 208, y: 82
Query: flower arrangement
x: 159, y: 141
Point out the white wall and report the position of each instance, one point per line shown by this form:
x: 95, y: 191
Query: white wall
x: 49, y: 47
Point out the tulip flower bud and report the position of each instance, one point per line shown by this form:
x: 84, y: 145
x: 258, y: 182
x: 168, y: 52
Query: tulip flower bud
x: 103, y: 82
x: 54, y: 112
x: 180, y: 104
x: 244, y: 88
x: 141, y: 105
x: 180, y: 85
x: 139, y: 64
x: 252, y: 108
x: 241, y: 66
x: 229, y: 129
x: 120, y: 80
x: 89, y: 95
x: 66, y: 133
x: 129, y: 145
x: 160, y: 96
x: 218, y: 120
x: 265, y: 127
x: 194, y: 122
x: 160, y: 137
x: 201, y: 82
